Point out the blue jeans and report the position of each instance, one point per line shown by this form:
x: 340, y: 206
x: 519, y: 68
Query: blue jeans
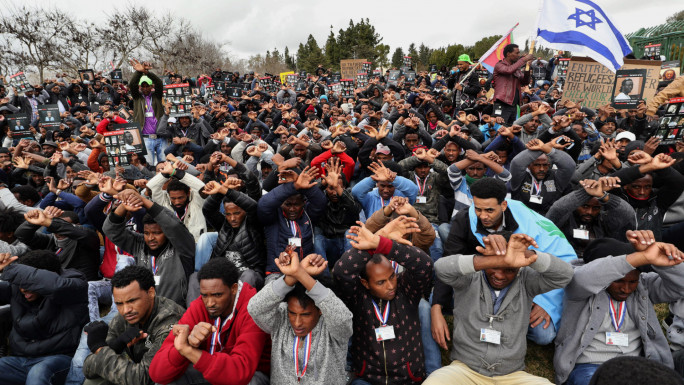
x: 203, y: 248
x: 76, y: 376
x: 174, y: 149
x: 581, y: 374
x: 34, y: 371
x: 433, y: 356
x: 541, y: 336
x: 436, y: 249
x: 330, y: 248
x: 155, y: 150
x: 443, y: 231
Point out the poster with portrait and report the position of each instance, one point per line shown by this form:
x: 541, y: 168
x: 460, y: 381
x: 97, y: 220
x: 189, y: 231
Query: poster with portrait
x: 336, y: 89
x: 19, y: 82
x: 124, y: 112
x: 669, y: 70
x: 180, y: 96
x: 366, y: 67
x: 433, y: 68
x: 347, y: 88
x: 233, y: 91
x: 291, y: 79
x: 86, y: 75
x: 671, y: 124
x: 652, y: 51
x: 394, y: 77
x: 407, y: 61
x: 48, y: 116
x: 122, y: 140
x: 19, y: 125
x: 410, y: 77
x: 362, y: 80
x: 220, y: 86
x: 628, y: 88
x: 117, y: 74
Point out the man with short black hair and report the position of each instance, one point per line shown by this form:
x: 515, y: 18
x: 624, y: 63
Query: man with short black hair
x: 507, y: 80
x: 122, y: 352
x: 216, y: 341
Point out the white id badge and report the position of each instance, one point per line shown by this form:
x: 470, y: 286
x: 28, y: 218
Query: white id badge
x: 580, y: 233
x: 294, y: 241
x: 157, y: 280
x: 498, y: 111
x: 491, y: 336
x: 617, y: 339
x: 384, y: 333
x: 149, y: 114
x: 421, y: 199
x: 536, y: 199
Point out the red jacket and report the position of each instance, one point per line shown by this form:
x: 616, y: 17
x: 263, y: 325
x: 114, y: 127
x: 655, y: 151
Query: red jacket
x: 102, y: 126
x: 346, y: 161
x: 507, y: 80
x: 247, y: 348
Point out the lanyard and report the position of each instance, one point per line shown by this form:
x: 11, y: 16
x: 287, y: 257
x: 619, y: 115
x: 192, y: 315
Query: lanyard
x: 185, y: 133
x: 537, y: 186
x: 216, y: 336
x: 421, y: 190
x: 395, y: 267
x: 59, y: 251
x: 382, y: 317
x: 307, y: 354
x: 184, y: 213
x: 382, y: 202
x: 294, y: 227
x: 617, y: 314
x: 153, y: 261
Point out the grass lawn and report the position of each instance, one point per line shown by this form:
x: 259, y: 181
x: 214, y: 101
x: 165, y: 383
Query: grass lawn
x: 539, y: 359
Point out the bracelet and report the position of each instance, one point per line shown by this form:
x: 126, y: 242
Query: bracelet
x: 605, y: 195
x: 172, y: 173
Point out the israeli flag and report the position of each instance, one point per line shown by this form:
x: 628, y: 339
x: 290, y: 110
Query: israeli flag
x: 581, y: 26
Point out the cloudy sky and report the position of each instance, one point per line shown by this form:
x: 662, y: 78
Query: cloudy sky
x: 252, y: 27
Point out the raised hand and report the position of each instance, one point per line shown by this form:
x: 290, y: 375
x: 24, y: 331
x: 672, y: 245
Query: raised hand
x: 313, y: 264
x: 517, y: 253
x: 36, y: 217
x: 361, y: 238
x: 398, y: 228
x: 592, y: 187
x: 200, y: 333
x: 288, y: 262
x: 609, y: 182
x: 494, y: 244
x: 306, y: 179
x: 6, y: 259
x: 639, y: 157
x: 53, y: 212
x: 662, y: 161
x: 213, y: 187
x: 381, y: 173
x: 640, y: 239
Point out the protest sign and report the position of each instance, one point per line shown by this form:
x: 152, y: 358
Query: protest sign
x: 671, y: 125
x: 233, y: 90
x: 19, y: 126
x: 350, y: 67
x: 394, y: 77
x: 361, y: 80
x: 347, y: 88
x: 291, y: 79
x: 124, y: 112
x: 628, y: 88
x: 48, y: 116
x: 593, y: 82
x: 123, y: 139
x: 336, y: 89
x: 652, y: 51
x: 407, y: 61
x: 410, y: 77
x: 19, y: 82
x: 284, y: 75
x: 181, y: 98
x: 366, y: 67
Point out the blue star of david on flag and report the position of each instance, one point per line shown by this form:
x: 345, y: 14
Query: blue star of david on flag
x: 583, y: 28
x: 577, y: 16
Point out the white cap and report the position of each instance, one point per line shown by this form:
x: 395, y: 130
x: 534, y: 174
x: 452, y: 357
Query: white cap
x: 625, y: 135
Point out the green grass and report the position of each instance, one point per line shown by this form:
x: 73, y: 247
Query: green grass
x: 539, y: 359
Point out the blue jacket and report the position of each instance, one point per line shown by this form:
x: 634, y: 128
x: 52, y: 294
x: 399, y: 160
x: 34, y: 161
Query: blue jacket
x: 366, y: 193
x: 276, y: 226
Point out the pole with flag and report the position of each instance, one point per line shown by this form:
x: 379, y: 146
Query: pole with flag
x: 491, y: 57
x: 582, y: 27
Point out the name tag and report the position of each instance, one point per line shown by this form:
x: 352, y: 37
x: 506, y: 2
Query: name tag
x: 490, y: 336
x: 617, y: 339
x: 384, y: 333
x: 421, y: 199
x: 149, y: 114
x: 536, y: 199
x: 152, y: 136
x: 157, y: 280
x: 580, y: 233
x: 294, y: 241
x: 497, y: 111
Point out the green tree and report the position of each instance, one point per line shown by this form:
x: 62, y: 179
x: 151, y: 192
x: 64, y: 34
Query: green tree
x: 676, y: 17
x: 332, y: 51
x: 289, y: 60
x: 398, y: 58
x: 413, y: 52
x: 482, y: 46
x: 309, y: 55
x: 424, y: 55
x: 360, y: 41
x: 383, y: 50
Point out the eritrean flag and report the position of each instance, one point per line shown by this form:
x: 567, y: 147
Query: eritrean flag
x: 491, y: 57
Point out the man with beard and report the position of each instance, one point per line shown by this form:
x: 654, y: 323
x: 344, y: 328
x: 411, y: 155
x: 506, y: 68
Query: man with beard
x: 183, y: 195
x: 148, y: 108
x: 592, y: 213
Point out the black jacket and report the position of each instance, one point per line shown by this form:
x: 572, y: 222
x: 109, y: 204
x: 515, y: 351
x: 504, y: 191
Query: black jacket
x: 339, y: 216
x: 248, y: 240
x: 52, y: 324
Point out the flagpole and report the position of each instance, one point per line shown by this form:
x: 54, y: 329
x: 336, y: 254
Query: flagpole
x: 534, y: 33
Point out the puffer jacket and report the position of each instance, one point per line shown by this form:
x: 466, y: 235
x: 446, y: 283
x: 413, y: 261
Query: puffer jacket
x: 198, y: 131
x: 247, y: 240
x: 52, y: 325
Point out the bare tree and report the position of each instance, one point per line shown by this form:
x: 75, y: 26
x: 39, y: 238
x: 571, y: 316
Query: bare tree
x: 83, y: 49
x: 125, y: 32
x: 37, y: 35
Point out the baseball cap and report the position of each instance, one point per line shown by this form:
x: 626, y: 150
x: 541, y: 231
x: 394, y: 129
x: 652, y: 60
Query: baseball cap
x: 382, y: 149
x: 625, y: 135
x: 465, y: 58
x: 145, y: 79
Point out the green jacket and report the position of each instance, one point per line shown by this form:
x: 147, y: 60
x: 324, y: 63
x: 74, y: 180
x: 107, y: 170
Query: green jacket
x: 139, y: 99
x: 133, y: 365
